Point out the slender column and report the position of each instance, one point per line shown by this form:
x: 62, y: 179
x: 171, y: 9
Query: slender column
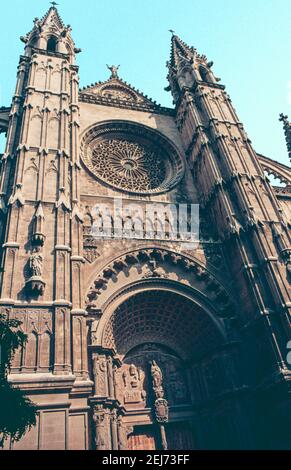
x: 62, y: 341
x: 114, y: 432
x: 110, y: 378
x: 99, y: 421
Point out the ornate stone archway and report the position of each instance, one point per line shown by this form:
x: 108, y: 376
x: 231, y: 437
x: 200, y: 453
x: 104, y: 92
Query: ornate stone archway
x: 160, y: 264
x: 154, y: 306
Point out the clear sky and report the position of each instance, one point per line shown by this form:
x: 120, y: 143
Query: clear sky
x: 248, y: 40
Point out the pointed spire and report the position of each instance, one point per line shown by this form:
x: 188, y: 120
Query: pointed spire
x: 18, y: 196
x: 52, y: 16
x: 287, y: 130
x: 180, y: 51
x: 38, y: 236
x: 182, y: 57
x: 187, y: 68
x: 50, y: 33
x: 39, y: 212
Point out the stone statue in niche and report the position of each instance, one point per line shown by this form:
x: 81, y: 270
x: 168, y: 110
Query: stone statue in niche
x: 165, y: 373
x: 134, y: 376
x: 36, y: 263
x: 99, y: 372
x: 157, y: 375
x: 157, y: 379
x: 35, y: 285
x: 161, y: 404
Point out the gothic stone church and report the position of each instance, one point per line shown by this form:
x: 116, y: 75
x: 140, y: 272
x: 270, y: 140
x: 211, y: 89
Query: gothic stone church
x: 142, y: 343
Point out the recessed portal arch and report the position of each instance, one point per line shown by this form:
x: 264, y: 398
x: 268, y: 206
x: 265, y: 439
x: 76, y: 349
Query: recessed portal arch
x: 163, y: 316
x: 161, y: 325
x: 171, y: 319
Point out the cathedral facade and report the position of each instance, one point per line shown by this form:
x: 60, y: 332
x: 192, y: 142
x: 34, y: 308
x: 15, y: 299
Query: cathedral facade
x: 137, y: 338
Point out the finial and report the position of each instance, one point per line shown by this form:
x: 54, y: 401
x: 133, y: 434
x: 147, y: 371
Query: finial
x: 287, y: 130
x: 114, y: 70
x: 54, y: 4
x: 172, y: 32
x: 284, y: 118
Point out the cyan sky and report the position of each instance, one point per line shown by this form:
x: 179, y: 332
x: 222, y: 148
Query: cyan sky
x: 248, y: 40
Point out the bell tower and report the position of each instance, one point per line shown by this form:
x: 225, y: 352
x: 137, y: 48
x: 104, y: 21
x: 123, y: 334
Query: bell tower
x: 41, y: 217
x: 240, y: 208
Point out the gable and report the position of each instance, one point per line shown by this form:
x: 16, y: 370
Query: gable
x: 115, y: 89
x: 116, y: 92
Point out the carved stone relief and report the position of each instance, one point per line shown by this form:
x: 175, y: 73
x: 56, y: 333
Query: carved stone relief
x: 100, y: 375
x: 151, y: 372
x: 158, y: 263
x: 130, y: 385
x: 99, y: 421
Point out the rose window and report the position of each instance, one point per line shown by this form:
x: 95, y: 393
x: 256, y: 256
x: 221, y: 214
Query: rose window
x: 129, y: 165
x: 132, y: 159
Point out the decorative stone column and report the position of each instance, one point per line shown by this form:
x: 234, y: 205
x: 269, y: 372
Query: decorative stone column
x: 123, y: 432
x: 99, y: 421
x: 114, y: 425
x: 161, y: 404
x: 111, y: 388
x: 106, y: 410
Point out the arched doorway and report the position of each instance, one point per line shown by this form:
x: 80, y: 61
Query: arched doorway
x: 169, y: 356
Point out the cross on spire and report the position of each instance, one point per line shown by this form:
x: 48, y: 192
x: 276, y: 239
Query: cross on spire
x: 54, y: 4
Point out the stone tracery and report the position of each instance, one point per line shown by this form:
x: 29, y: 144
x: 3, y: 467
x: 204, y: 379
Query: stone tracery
x: 130, y: 165
x: 132, y: 157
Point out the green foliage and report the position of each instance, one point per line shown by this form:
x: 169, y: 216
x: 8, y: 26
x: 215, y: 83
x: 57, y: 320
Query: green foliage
x: 11, y: 338
x: 17, y: 412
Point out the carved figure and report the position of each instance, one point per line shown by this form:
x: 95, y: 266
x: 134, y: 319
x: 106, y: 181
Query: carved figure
x: 134, y: 378
x: 157, y: 375
x: 114, y: 70
x: 36, y: 263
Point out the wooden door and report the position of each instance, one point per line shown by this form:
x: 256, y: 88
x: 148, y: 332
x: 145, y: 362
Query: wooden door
x: 142, y: 439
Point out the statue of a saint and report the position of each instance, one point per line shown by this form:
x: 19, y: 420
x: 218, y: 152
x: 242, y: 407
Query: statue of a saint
x: 36, y: 263
x: 157, y: 375
x: 134, y: 379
